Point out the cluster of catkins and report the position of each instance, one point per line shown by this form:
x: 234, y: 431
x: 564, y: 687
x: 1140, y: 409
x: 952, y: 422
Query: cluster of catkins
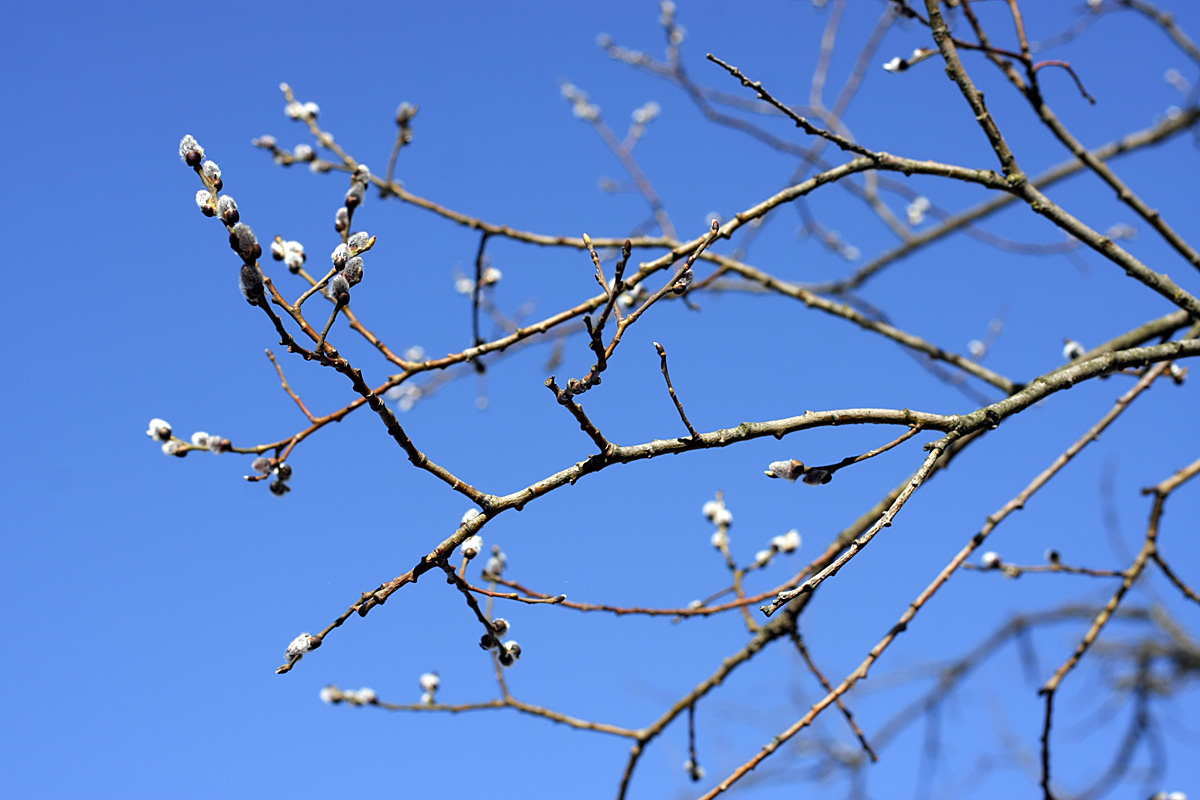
x: 213, y: 204
x: 160, y: 431
x: 509, y: 651
x: 346, y: 256
x: 281, y: 471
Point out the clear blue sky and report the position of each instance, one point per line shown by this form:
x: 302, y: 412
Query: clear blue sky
x: 149, y: 599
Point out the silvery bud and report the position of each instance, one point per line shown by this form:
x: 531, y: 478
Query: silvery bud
x: 353, y: 271
x: 191, y: 151
x: 341, y: 254
x: 204, y: 200
x: 684, y: 281
x: 338, y: 289
x: 472, y: 546
x: 787, y: 470
x: 251, y: 283
x: 227, y: 210
x: 245, y: 243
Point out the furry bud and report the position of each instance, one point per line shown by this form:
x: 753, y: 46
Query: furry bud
x: 245, y: 243
x: 338, y: 289
x: 472, y: 546
x: 159, y: 430
x: 405, y: 114
x: 817, y: 477
x: 212, y: 172
x: 251, y: 283
x: 684, y: 281
x: 353, y: 271
x: 341, y: 254
x: 191, y: 151
x: 227, y: 210
x: 787, y: 470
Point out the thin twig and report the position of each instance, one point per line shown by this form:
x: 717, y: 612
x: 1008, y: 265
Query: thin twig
x: 798, y: 640
x: 801, y: 122
x: 477, y: 287
x: 288, y: 388
x: 678, y: 405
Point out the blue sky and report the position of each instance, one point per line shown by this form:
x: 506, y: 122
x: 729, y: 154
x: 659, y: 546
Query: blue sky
x: 150, y: 599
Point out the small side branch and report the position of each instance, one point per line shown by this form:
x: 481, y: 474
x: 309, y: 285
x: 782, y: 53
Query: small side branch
x: 801, y: 122
x: 338, y: 306
x: 798, y: 640
x: 585, y: 424
x: 480, y: 256
x: 856, y: 546
x: 678, y: 405
x: 453, y: 578
x: 1070, y: 71
x: 509, y: 702
x: 678, y: 284
x: 288, y: 388
x: 695, y: 771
